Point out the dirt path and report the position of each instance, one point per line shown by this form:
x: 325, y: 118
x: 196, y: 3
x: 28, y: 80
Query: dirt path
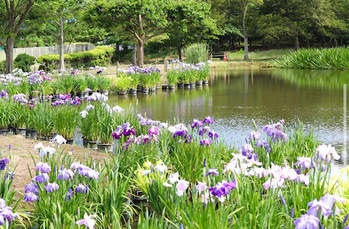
x: 18, y: 150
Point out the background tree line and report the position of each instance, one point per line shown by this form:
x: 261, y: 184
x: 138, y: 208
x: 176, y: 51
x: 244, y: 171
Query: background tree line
x: 156, y: 26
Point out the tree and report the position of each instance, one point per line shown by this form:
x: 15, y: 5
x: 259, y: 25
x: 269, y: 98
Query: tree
x: 142, y: 19
x: 188, y: 20
x: 13, y: 15
x: 244, y: 6
x: 56, y: 16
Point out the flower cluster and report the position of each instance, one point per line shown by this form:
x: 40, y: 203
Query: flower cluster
x: 125, y: 129
x: 21, y: 98
x: 66, y: 99
x: 6, y: 213
x: 3, y: 163
x: 44, y: 150
x: 146, y: 121
x: 275, y: 132
x: 222, y: 189
x: 325, y: 205
x: 64, y: 174
x: 4, y: 94
x: 96, y: 97
x: 181, y: 185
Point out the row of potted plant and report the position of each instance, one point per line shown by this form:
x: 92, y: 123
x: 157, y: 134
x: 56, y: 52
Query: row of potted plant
x: 134, y: 78
x: 187, y: 75
x: 43, y: 84
x: 94, y: 117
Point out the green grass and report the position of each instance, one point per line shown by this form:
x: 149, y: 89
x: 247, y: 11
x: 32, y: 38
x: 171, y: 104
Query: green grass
x: 258, y: 55
x: 332, y: 58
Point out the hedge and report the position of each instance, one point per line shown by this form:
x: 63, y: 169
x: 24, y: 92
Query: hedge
x: 100, y: 56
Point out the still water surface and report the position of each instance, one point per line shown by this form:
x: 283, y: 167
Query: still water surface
x: 236, y: 97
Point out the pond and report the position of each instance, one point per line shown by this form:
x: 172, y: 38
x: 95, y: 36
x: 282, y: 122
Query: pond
x: 234, y: 98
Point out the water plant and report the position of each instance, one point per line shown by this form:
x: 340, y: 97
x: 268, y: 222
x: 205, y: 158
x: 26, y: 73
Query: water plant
x: 333, y: 58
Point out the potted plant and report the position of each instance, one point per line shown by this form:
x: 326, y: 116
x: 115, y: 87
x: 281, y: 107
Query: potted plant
x: 172, y: 78
x: 43, y: 120
x: 65, y: 121
x: 6, y: 116
x: 105, y: 126
x: 87, y: 123
x: 122, y: 83
x: 103, y: 84
x: 134, y: 83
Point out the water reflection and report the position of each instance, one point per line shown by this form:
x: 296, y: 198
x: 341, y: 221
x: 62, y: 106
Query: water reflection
x: 235, y: 97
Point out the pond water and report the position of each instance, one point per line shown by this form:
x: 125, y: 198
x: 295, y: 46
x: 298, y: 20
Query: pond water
x: 236, y: 97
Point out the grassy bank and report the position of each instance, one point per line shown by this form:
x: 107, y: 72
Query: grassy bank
x: 334, y: 59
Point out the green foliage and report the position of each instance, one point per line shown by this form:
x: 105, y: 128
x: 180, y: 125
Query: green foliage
x: 24, y: 61
x: 196, y: 53
x: 123, y: 82
x: 65, y: 120
x: 334, y: 58
x: 100, y: 56
x: 2, y: 66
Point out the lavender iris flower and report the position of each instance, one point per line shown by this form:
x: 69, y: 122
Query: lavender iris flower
x: 3, y: 163
x: 81, y: 188
x: 65, y: 174
x: 29, y: 196
x: 206, y: 142
x: 307, y: 222
x: 212, y: 171
x: 50, y: 187
x: 42, y: 178
x: 222, y: 188
x: 32, y: 187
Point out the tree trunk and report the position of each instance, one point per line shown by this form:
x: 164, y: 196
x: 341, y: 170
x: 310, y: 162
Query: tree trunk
x: 296, y: 42
x: 61, y: 45
x: 245, y: 35
x: 180, y: 52
x: 140, y: 57
x: 9, y: 54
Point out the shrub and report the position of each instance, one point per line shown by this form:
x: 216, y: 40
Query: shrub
x: 196, y: 53
x: 24, y: 61
x: 100, y: 56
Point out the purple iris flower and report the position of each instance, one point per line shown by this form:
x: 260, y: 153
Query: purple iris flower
x: 42, y: 178
x: 205, y: 163
x: 3, y: 163
x: 262, y: 143
x: 213, y: 135
x: 206, y: 142
x: 81, y: 188
x: 43, y: 167
x: 69, y: 194
x: 50, y: 187
x: 65, y: 174
x: 292, y: 213
x: 222, y: 188
x: 307, y: 221
x: 197, y: 123
x: 208, y: 120
x: 254, y: 135
x: 4, y: 94
x: 29, y: 196
x: 32, y: 187
x: 153, y: 130
x: 212, y: 171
